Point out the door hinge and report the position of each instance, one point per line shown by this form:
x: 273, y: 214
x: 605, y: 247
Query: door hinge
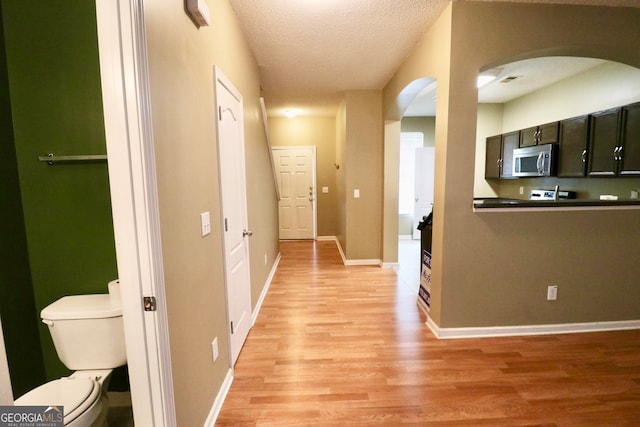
x: 150, y: 304
x: 226, y: 225
x: 232, y: 328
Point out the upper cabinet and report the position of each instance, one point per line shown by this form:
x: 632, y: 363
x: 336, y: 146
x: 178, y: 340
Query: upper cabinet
x: 614, y: 146
x: 629, y: 153
x: 572, y: 155
x: 605, y: 143
x: 499, y: 155
x: 539, y: 135
x: 604, y: 136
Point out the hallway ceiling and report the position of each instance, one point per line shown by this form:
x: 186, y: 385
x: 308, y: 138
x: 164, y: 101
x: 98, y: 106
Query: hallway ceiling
x: 311, y: 51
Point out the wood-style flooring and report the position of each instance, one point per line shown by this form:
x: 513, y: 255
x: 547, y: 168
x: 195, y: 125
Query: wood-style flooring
x: 347, y: 346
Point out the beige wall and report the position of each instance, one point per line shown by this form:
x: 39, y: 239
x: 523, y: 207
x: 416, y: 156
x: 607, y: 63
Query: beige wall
x: 492, y: 269
x: 181, y: 59
x: 341, y: 176
x: 426, y: 125
x: 319, y: 132
x: 363, y: 163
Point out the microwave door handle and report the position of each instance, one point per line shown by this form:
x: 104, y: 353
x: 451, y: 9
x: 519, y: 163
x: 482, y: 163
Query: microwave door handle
x: 540, y: 163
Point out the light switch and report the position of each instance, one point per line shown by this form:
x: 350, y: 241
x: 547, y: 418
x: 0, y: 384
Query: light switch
x: 356, y: 193
x: 205, y: 223
x: 325, y: 189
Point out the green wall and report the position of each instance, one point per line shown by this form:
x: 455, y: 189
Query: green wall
x: 56, y: 104
x: 17, y: 307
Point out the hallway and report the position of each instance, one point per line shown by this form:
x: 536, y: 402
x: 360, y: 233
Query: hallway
x: 336, y: 345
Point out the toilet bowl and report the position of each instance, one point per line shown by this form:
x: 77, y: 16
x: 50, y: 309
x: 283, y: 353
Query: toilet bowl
x: 81, y: 395
x: 88, y: 335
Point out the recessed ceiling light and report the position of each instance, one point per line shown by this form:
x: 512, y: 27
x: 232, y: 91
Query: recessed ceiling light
x: 290, y: 113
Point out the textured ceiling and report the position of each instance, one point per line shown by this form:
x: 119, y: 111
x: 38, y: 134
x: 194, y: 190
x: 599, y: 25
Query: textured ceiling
x: 309, y: 51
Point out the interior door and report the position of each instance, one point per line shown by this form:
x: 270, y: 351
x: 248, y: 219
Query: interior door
x: 295, y: 169
x: 230, y: 131
x: 425, y: 173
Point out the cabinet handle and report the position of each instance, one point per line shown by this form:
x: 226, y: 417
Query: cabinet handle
x: 617, y: 153
x: 584, y: 156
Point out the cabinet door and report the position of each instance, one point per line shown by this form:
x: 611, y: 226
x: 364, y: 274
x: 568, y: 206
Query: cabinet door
x: 604, y: 131
x: 630, y: 163
x: 493, y: 157
x: 510, y: 142
x: 572, y: 155
x: 548, y: 133
x: 529, y: 137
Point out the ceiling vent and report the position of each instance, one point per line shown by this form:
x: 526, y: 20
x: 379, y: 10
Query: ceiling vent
x: 509, y: 79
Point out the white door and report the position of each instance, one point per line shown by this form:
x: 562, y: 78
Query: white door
x: 295, y: 169
x: 230, y: 132
x: 424, y: 173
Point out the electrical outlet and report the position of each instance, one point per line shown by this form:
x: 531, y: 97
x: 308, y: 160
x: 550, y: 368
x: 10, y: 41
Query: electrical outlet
x: 521, y: 190
x: 214, y: 349
x: 552, y: 293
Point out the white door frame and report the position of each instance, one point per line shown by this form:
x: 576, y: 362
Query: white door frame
x: 132, y: 180
x: 314, y: 204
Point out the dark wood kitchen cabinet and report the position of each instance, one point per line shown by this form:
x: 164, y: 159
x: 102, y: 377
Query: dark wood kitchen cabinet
x: 538, y: 135
x: 573, y: 140
x: 629, y: 153
x: 604, y: 138
x: 493, y: 157
x: 499, y: 155
x: 614, y: 146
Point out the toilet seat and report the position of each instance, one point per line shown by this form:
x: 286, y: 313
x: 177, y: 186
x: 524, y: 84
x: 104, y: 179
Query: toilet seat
x: 76, y: 395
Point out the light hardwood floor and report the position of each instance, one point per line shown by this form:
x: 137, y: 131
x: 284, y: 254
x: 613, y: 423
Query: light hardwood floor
x: 347, y: 346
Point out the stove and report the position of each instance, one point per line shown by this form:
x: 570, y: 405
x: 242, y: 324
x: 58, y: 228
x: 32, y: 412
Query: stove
x: 538, y: 194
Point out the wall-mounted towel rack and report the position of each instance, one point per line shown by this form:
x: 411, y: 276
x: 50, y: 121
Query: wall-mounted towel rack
x: 52, y: 159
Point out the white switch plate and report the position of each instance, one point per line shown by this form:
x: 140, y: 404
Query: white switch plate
x: 521, y: 190
x: 205, y: 223
x: 552, y: 293
x: 325, y: 189
x: 214, y: 348
x: 356, y: 194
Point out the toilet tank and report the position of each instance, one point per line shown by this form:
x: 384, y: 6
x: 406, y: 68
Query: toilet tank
x: 87, y: 331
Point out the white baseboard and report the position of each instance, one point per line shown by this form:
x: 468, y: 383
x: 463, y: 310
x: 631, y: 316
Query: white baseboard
x: 326, y: 238
x: 509, y: 331
x: 377, y: 262
x: 406, y: 237
x: 346, y: 261
x: 217, y: 404
x: 394, y: 265
x: 265, y: 289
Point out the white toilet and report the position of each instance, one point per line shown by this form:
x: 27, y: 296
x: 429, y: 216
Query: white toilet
x: 88, y: 335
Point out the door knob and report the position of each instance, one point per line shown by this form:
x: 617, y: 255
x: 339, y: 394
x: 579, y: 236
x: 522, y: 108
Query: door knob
x: 246, y: 233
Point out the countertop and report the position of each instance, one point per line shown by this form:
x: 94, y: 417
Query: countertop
x: 503, y: 204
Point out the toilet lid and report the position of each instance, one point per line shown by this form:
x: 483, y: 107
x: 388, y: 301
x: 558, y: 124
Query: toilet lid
x: 74, y: 394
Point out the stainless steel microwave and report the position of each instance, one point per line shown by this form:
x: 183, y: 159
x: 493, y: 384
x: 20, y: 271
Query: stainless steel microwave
x: 538, y: 160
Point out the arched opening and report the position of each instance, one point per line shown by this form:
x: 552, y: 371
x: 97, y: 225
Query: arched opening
x: 409, y: 175
x: 550, y: 90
